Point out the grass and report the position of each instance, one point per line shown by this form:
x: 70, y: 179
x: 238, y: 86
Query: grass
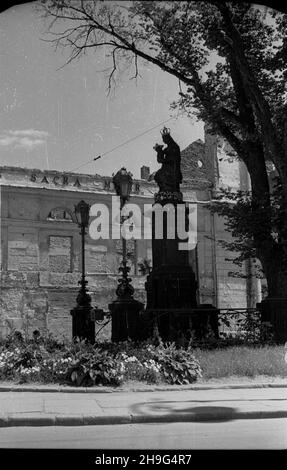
x: 242, y: 361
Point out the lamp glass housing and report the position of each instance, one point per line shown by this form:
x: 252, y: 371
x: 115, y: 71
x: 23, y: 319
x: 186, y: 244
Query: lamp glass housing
x: 82, y: 213
x: 123, y: 183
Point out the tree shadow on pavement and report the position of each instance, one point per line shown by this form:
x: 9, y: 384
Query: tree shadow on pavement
x: 174, y: 411
x: 164, y: 412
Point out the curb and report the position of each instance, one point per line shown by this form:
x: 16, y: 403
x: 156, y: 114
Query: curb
x: 80, y: 420
x: 63, y: 389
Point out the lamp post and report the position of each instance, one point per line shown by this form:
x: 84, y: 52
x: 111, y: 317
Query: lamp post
x: 125, y: 310
x: 83, y: 327
x: 123, y: 186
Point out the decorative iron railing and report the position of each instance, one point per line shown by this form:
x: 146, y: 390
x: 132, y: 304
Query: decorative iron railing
x: 220, y: 325
x: 243, y: 323
x: 239, y: 324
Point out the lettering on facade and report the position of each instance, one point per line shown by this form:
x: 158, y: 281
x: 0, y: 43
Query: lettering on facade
x: 108, y: 186
x: 64, y: 180
x: 56, y: 180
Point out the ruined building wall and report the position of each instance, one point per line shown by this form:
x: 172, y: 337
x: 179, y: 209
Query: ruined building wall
x: 41, y: 254
x: 230, y: 173
x: 41, y: 260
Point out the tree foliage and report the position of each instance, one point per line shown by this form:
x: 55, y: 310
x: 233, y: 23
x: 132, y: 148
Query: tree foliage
x: 230, y: 60
x: 244, y: 222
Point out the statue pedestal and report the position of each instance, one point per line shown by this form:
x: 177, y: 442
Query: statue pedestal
x: 169, y: 290
x: 171, y: 283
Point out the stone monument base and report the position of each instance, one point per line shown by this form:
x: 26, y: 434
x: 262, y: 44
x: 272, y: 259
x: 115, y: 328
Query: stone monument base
x: 170, y: 288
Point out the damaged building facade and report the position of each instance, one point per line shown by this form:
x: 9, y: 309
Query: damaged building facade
x: 40, y: 253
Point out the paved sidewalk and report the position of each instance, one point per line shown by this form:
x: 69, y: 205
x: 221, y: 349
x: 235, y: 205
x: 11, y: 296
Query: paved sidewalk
x: 45, y: 406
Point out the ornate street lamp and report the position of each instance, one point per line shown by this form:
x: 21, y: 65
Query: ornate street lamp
x: 125, y: 310
x: 83, y: 326
x: 123, y: 183
x: 82, y: 214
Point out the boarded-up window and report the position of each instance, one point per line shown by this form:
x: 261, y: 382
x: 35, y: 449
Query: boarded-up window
x: 60, y: 254
x: 96, y: 259
x: 23, y: 251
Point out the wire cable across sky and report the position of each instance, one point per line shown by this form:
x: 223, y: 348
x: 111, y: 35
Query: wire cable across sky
x: 127, y: 142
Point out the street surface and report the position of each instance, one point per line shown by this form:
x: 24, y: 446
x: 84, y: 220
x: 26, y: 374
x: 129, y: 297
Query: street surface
x: 232, y: 434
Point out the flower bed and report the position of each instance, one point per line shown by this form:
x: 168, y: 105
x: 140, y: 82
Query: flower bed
x: 45, y: 360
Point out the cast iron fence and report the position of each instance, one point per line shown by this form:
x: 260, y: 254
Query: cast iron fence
x: 244, y: 324
x: 221, y: 326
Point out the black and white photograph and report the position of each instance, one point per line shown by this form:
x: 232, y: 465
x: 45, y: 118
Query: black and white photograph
x: 143, y: 230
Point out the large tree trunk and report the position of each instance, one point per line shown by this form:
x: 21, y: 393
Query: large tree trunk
x: 274, y: 307
x: 274, y: 267
x: 271, y: 255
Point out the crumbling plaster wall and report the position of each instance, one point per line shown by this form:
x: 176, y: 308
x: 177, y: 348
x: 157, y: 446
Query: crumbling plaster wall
x: 41, y: 262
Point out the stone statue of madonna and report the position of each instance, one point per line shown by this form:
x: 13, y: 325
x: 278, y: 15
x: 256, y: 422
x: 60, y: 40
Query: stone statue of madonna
x: 169, y: 176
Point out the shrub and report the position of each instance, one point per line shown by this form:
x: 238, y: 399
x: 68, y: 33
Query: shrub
x: 163, y: 362
x: 178, y: 365
x: 81, y: 364
x: 95, y: 367
x: 135, y: 369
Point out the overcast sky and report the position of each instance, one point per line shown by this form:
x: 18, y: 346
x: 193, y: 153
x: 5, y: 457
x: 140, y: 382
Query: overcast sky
x: 60, y: 118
